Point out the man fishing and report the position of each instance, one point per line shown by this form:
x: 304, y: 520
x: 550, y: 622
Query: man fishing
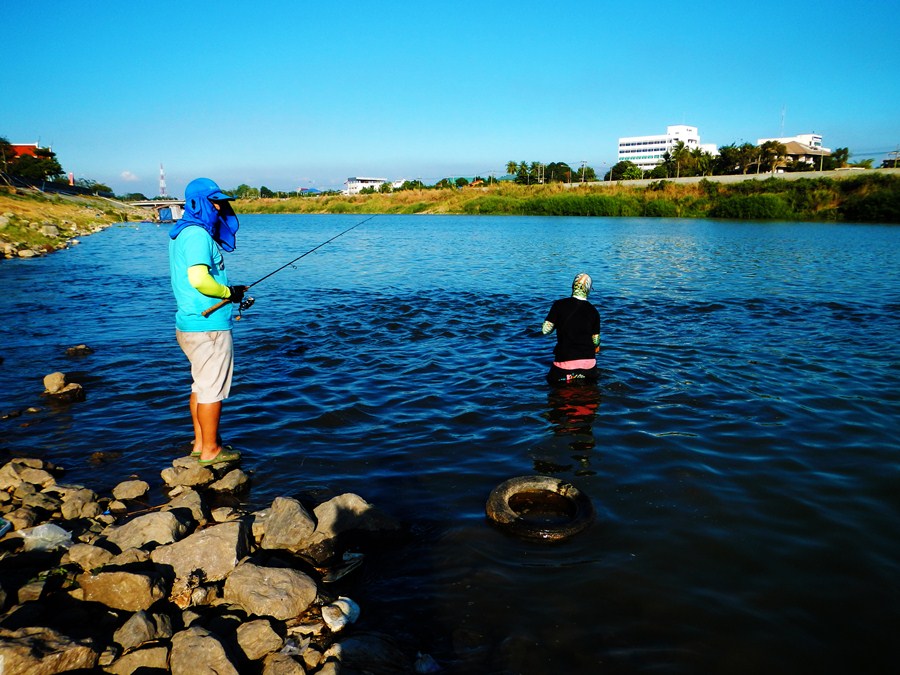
x: 197, y: 269
x: 577, y: 325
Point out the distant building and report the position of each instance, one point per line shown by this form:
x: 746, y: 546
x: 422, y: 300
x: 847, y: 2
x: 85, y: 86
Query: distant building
x: 805, y: 148
x: 25, y: 149
x: 647, y: 151
x: 355, y: 184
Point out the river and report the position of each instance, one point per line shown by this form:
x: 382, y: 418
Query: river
x: 740, y: 450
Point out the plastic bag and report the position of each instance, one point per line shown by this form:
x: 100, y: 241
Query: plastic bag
x: 46, y: 537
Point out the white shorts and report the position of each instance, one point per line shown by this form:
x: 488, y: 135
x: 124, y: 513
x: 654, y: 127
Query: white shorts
x: 211, y: 354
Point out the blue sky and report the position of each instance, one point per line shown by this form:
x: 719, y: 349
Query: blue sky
x: 300, y: 94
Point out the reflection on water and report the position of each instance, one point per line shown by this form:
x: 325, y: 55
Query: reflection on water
x: 572, y: 410
x: 742, y: 465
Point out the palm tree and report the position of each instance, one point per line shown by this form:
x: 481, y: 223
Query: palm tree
x: 680, y: 153
x: 511, y: 167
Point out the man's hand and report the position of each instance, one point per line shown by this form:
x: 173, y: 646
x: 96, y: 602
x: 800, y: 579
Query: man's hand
x: 237, y: 293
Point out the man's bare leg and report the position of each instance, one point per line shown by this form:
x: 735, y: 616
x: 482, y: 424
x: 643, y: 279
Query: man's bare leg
x: 206, y: 427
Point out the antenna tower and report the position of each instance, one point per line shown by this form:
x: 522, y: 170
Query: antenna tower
x: 162, y: 182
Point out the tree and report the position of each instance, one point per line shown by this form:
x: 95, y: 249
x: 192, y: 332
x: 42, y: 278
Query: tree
x: 265, y: 192
x: 461, y: 182
x: 385, y: 188
x: 771, y: 154
x: 244, y: 191
x: 557, y: 172
x: 512, y: 167
x: 680, y: 155
x: 43, y: 166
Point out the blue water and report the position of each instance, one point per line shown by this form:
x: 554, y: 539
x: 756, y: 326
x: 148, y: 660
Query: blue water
x: 741, y: 449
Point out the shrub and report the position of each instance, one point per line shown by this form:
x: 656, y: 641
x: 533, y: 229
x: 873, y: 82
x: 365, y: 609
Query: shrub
x: 753, y: 207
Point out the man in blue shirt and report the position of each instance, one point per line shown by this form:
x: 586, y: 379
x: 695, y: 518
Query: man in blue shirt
x: 197, y: 269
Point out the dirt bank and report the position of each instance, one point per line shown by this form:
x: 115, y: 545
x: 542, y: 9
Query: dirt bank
x: 34, y: 223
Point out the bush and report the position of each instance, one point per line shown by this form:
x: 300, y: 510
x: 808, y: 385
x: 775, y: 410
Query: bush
x: 660, y: 208
x: 753, y: 207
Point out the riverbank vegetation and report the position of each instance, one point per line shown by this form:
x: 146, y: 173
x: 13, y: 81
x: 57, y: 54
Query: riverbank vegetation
x: 33, y: 222
x: 870, y: 197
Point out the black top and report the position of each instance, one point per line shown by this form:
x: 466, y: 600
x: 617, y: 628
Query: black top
x: 576, y: 322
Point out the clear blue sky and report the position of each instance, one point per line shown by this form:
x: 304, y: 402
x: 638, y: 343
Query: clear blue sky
x: 300, y: 94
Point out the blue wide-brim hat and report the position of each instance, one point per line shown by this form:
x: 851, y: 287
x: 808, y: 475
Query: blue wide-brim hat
x: 204, y: 187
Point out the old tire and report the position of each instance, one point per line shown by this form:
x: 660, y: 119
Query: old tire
x: 539, y: 508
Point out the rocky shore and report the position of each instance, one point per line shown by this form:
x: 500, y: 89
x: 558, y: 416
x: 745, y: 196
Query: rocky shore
x: 34, y: 224
x: 196, y: 584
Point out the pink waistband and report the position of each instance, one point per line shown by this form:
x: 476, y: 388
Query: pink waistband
x: 577, y: 364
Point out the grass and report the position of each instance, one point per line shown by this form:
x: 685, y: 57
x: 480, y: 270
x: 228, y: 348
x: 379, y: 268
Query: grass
x: 870, y: 198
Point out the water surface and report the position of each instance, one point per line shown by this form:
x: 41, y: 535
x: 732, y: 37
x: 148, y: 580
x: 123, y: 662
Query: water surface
x: 741, y: 449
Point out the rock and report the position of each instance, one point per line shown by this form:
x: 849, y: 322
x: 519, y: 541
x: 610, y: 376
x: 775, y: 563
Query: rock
x: 225, y: 514
x: 43, y: 651
x: 281, y: 593
x: 23, y: 470
x: 348, y: 512
x: 162, y: 527
x: 40, y: 501
x: 87, y: 556
x: 122, y: 590
x: 282, y: 664
x: 130, y: 489
x: 215, y: 551
x: 130, y: 556
x: 54, y: 383
x: 233, y: 481
x: 258, y: 638
x: 196, y: 651
x: 150, y: 660
x: 186, y: 471
x: 79, y: 503
x: 339, y: 515
x: 34, y: 476
x: 340, y: 613
x: 288, y: 525
x: 69, y: 394
x: 193, y: 502
x: 22, y: 518
x: 79, y: 350
x: 26, y: 253
x: 142, y: 628
x: 50, y: 230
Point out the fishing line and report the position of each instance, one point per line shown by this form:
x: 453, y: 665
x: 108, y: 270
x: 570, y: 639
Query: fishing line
x: 246, y: 304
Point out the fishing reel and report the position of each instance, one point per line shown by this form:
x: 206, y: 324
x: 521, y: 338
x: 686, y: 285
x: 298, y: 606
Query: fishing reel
x: 246, y: 303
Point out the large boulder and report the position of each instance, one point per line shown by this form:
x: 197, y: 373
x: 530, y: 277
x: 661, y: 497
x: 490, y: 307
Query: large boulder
x: 122, y: 590
x: 196, y: 651
x: 282, y: 593
x: 163, y: 527
x: 215, y: 551
x: 288, y: 526
x: 43, y: 651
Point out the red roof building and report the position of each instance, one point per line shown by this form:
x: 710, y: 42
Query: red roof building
x: 24, y: 148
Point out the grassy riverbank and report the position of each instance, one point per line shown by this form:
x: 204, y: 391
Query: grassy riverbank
x: 871, y: 197
x: 33, y: 223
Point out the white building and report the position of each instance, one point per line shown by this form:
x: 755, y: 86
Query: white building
x: 647, y: 151
x: 354, y: 184
x: 811, y: 141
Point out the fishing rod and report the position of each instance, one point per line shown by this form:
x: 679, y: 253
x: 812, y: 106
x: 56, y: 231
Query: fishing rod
x: 246, y: 304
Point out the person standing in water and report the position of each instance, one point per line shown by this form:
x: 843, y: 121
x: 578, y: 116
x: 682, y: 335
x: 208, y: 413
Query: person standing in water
x: 577, y: 325
x: 197, y: 270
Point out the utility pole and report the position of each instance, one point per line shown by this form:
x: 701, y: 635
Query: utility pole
x: 583, y: 163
